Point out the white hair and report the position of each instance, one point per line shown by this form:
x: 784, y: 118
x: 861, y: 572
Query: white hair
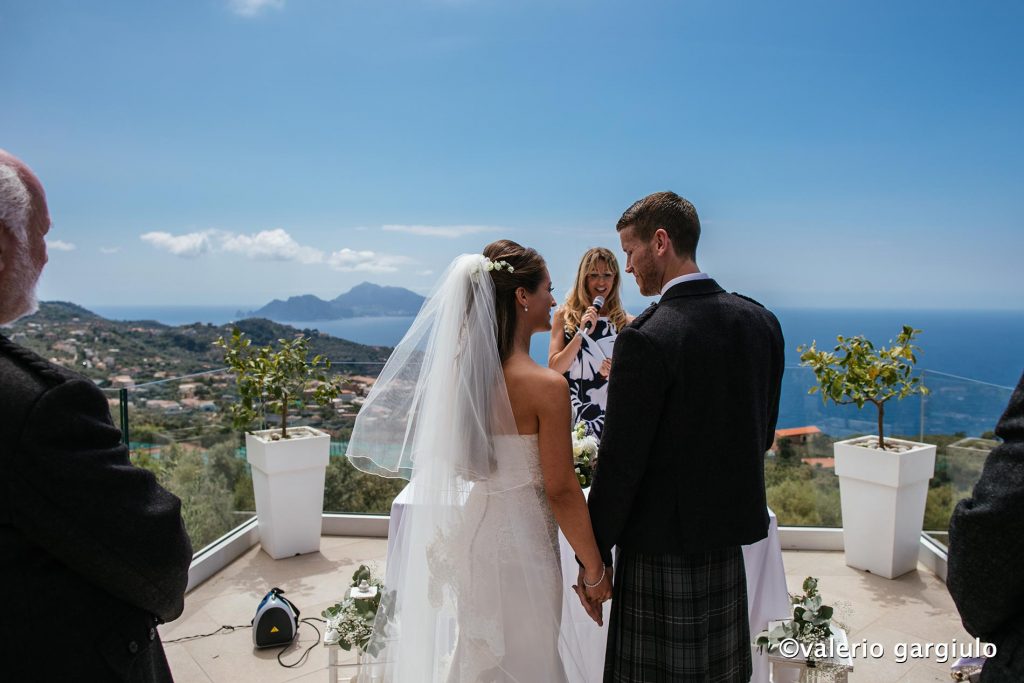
x: 15, y: 201
x: 18, y: 276
x: 18, y: 282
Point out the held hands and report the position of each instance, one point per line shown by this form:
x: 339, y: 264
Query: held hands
x: 593, y: 596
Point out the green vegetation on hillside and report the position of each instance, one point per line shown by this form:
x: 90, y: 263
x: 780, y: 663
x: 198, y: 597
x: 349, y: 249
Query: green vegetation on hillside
x: 102, y: 349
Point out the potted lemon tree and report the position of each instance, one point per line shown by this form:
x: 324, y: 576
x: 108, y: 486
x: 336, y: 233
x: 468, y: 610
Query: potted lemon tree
x: 883, y: 482
x: 288, y: 463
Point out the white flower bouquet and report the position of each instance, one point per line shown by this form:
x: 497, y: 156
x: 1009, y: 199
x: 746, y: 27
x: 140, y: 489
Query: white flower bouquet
x: 584, y: 453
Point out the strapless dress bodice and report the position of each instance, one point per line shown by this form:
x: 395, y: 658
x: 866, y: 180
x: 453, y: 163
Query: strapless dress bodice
x: 517, y: 462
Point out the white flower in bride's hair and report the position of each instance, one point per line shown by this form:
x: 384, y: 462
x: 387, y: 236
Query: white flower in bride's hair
x: 489, y: 266
x: 511, y: 269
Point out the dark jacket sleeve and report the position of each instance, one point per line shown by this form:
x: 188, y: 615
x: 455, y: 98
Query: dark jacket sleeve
x: 636, y: 395
x: 778, y: 368
x: 73, y: 491
x: 986, y: 541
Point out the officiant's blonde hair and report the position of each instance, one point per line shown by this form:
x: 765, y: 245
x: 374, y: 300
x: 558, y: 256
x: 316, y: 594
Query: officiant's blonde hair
x: 578, y: 299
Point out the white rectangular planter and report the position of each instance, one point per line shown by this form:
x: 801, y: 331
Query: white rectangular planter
x: 883, y: 495
x: 288, y: 480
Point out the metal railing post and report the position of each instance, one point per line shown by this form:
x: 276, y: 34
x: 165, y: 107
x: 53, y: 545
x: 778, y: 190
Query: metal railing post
x: 920, y: 439
x: 123, y: 395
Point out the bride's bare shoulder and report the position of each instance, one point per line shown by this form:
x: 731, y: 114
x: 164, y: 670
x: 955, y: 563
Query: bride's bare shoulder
x: 548, y: 384
x: 536, y: 378
x: 536, y: 392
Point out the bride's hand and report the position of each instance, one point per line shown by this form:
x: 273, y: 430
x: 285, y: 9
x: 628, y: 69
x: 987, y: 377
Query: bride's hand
x: 602, y: 592
x: 593, y: 610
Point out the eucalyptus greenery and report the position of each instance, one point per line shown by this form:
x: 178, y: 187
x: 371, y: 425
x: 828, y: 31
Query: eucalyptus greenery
x: 811, y: 622
x: 855, y: 372
x: 351, y: 621
x: 273, y: 380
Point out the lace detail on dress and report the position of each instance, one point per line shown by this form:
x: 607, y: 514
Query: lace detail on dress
x: 507, y: 539
x: 439, y: 561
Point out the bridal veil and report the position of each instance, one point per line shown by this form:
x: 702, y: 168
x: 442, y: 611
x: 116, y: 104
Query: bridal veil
x: 474, y: 589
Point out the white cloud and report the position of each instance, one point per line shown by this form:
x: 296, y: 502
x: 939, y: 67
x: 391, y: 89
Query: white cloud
x: 366, y: 261
x: 449, y: 231
x: 425, y: 272
x: 109, y: 250
x: 251, y: 8
x: 189, y: 245
x: 60, y: 245
x: 271, y: 245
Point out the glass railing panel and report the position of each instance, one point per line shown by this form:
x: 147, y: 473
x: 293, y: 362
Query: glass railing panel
x: 346, y: 489
x: 959, y: 416
x: 180, y: 429
x: 800, y: 480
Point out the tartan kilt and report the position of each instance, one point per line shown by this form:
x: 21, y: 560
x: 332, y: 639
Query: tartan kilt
x: 679, y: 618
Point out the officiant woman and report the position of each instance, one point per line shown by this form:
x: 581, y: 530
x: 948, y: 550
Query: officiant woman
x: 583, y: 353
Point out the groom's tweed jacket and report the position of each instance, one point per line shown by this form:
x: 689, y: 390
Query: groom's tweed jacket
x: 91, y: 548
x: 693, y: 399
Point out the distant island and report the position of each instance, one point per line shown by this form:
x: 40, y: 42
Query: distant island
x: 362, y: 301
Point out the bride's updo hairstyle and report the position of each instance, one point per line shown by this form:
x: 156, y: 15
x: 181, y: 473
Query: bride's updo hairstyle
x: 527, y: 272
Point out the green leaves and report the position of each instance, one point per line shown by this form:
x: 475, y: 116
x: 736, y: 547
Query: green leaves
x: 275, y: 380
x: 353, y: 620
x: 811, y: 622
x: 855, y: 372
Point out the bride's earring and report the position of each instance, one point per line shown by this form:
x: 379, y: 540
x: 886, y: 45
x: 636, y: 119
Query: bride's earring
x: 526, y: 309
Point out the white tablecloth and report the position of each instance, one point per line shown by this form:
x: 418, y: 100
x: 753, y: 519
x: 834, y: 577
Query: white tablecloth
x: 767, y: 596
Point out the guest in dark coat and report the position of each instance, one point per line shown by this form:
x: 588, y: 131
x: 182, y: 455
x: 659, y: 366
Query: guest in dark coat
x: 93, y: 553
x: 986, y: 549
x: 679, y: 486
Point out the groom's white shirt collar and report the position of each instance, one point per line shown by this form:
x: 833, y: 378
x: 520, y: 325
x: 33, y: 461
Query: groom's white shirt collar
x: 683, y: 278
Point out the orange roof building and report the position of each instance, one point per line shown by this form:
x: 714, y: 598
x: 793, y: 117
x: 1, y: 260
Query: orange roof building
x: 796, y: 431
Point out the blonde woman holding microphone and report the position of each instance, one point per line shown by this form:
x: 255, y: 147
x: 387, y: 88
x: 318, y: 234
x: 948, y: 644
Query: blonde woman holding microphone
x: 583, y: 332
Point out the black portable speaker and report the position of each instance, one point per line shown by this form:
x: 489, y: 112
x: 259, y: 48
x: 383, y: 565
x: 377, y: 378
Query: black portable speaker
x: 276, y: 622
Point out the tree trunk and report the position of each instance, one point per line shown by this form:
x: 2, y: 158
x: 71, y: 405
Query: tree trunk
x: 284, y: 416
x: 881, y: 436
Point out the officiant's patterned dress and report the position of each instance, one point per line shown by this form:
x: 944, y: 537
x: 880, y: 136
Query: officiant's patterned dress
x: 588, y: 388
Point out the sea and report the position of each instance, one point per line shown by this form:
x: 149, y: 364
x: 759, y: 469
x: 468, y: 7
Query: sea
x: 971, y: 359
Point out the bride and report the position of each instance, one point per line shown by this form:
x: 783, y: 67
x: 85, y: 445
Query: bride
x: 482, y: 434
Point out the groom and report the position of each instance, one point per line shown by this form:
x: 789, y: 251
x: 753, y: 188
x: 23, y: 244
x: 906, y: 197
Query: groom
x: 679, y: 486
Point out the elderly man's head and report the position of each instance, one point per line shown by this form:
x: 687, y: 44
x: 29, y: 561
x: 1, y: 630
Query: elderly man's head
x: 24, y: 221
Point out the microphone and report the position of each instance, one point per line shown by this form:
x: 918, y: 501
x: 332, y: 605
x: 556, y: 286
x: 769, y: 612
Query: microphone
x: 598, y: 304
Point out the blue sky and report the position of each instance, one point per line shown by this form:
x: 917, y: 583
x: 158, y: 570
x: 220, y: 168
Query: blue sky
x: 841, y: 154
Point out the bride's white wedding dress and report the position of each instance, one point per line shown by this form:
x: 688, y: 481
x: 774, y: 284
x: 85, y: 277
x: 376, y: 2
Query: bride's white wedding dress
x: 506, y: 579
x: 477, y: 594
